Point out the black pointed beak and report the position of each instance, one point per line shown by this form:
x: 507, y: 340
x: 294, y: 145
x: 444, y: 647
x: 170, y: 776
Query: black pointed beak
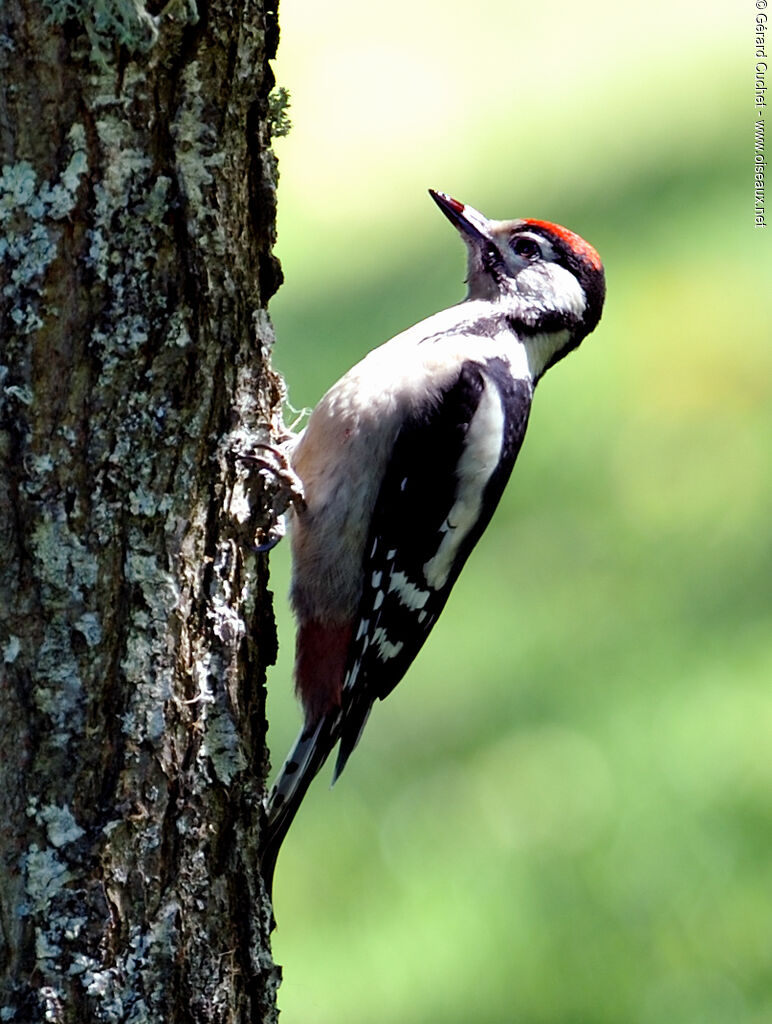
x: 466, y: 219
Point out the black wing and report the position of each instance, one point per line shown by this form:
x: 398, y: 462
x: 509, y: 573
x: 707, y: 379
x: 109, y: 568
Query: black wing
x: 414, y: 551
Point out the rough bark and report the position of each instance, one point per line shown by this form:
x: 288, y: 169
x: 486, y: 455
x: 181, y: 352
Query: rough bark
x: 136, y: 225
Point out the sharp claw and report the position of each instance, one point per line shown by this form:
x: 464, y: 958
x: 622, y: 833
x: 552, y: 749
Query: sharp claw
x: 289, y: 492
x: 274, y: 535
x: 283, y: 471
x: 267, y: 545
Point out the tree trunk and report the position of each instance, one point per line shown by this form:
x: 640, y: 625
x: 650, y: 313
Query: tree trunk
x: 136, y: 223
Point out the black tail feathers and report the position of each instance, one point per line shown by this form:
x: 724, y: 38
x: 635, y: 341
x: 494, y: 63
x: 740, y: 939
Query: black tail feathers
x: 306, y: 758
x: 311, y: 750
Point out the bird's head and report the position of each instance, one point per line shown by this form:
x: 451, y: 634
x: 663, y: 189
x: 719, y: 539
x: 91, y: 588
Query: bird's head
x: 548, y: 280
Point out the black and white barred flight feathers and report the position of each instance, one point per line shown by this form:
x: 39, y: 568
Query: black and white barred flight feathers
x: 403, y: 463
x: 438, y: 494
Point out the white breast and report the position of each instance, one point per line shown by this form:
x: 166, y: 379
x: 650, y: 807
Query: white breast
x: 342, y: 455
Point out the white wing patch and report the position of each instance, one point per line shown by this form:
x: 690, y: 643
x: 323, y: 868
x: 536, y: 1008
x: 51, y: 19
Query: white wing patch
x: 353, y: 675
x: 481, y: 455
x: 386, y: 649
x: 408, y: 593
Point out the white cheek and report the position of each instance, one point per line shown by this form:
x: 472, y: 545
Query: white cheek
x: 568, y: 293
x: 554, y: 287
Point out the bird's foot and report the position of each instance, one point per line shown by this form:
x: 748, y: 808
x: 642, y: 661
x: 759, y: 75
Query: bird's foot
x: 287, y: 490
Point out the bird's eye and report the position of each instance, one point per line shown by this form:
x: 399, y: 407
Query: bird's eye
x: 526, y: 247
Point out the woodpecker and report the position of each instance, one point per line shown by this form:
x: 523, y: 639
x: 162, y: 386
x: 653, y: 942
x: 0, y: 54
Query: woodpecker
x: 402, y: 465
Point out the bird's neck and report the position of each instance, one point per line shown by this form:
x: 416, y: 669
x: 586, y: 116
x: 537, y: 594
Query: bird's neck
x: 534, y: 338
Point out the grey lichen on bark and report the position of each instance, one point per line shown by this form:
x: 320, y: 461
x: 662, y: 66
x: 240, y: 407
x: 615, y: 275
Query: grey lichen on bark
x: 137, y: 219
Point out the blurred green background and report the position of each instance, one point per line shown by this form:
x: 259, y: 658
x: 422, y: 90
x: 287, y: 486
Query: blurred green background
x: 564, y: 812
